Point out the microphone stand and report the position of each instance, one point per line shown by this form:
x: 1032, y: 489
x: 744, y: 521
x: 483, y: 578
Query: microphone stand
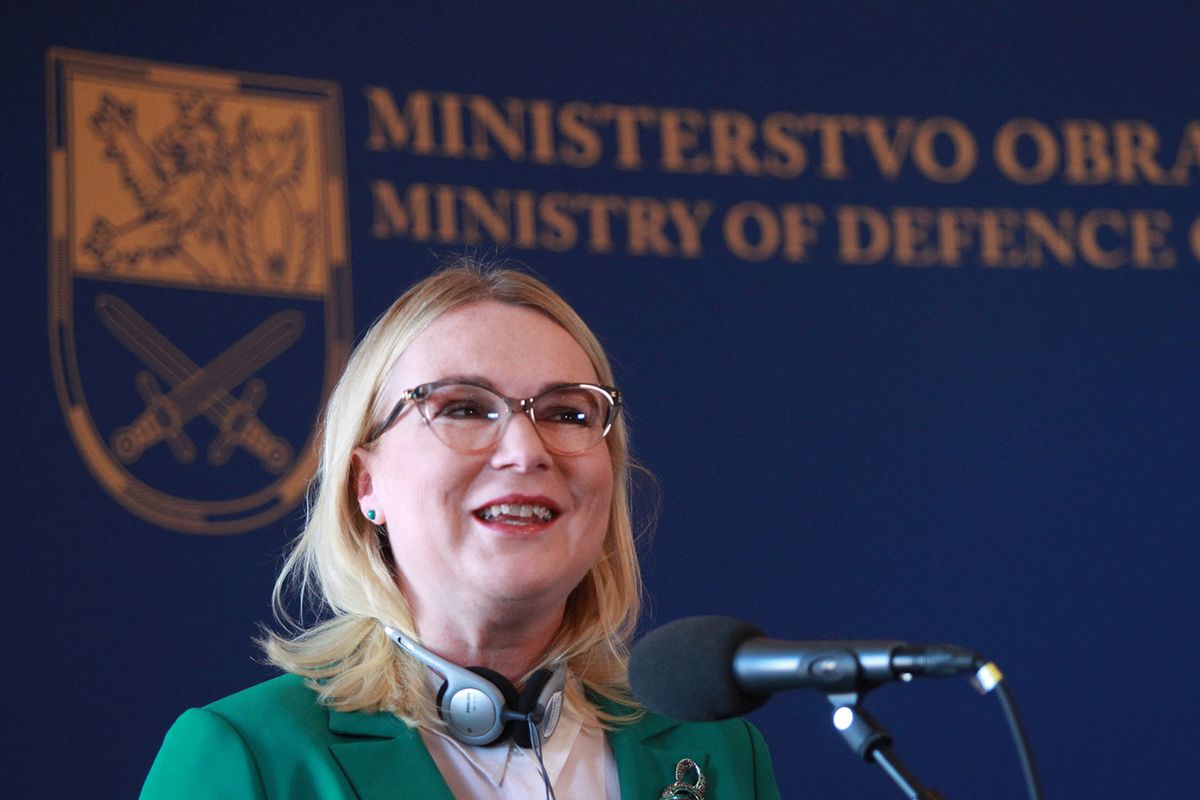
x: 872, y: 742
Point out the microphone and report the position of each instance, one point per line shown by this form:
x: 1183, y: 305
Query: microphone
x: 706, y: 668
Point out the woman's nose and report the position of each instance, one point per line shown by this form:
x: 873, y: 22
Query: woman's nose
x: 520, y: 446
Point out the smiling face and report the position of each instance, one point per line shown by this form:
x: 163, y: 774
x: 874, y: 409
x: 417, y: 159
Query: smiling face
x: 508, y: 531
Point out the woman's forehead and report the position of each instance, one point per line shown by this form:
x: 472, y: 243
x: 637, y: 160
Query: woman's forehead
x: 514, y: 347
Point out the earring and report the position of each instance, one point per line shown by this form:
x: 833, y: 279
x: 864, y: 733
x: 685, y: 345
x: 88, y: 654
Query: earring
x: 371, y: 514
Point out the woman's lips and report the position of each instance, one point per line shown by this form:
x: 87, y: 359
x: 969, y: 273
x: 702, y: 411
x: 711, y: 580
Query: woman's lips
x: 518, y: 511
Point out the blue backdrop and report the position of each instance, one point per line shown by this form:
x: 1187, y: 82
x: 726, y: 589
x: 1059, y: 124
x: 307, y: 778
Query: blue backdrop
x: 992, y: 443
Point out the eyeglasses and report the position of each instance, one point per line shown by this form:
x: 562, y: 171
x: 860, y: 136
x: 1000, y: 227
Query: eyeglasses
x: 470, y: 418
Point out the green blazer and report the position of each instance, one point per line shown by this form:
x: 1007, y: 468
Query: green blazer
x: 274, y: 741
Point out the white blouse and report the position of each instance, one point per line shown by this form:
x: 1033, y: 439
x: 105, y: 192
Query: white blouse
x: 578, y: 760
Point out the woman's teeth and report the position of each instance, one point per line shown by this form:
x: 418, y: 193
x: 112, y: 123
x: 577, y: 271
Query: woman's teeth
x: 517, y: 513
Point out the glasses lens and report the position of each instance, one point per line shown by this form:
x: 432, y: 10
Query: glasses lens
x: 465, y: 417
x: 573, y: 418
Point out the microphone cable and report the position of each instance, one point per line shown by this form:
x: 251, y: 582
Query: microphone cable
x: 989, y: 678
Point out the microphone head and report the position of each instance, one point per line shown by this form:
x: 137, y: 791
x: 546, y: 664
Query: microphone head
x: 685, y: 669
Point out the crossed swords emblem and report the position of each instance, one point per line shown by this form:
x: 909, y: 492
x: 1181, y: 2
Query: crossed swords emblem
x: 200, y: 390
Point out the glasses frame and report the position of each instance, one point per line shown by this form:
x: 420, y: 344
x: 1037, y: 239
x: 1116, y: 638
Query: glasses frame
x: 515, y: 406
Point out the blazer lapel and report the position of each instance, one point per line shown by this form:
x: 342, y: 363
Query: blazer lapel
x: 644, y: 769
x: 384, y: 759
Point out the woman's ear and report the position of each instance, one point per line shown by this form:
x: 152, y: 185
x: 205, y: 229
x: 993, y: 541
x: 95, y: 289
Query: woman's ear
x: 364, y: 488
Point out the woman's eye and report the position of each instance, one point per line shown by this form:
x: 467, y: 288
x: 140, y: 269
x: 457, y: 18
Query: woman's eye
x: 569, y: 407
x: 459, y: 403
x: 464, y: 409
x: 567, y: 415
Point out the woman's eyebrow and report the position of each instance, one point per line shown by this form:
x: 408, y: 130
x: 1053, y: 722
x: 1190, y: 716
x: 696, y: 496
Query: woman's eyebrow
x: 473, y: 380
x: 482, y: 382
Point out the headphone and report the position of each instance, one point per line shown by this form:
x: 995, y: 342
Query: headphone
x: 482, y: 707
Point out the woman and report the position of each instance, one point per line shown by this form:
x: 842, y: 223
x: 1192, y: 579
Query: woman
x: 455, y: 524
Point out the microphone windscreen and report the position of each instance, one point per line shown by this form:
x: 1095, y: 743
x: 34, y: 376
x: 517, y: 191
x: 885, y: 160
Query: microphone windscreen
x: 685, y: 669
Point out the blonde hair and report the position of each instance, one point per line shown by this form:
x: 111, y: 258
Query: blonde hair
x: 341, y: 566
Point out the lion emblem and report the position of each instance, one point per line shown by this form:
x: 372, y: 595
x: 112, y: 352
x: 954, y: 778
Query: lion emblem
x: 224, y: 207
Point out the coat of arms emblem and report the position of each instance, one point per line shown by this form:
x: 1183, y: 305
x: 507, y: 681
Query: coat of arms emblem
x: 198, y: 274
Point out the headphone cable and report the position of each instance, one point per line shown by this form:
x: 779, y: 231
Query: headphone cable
x: 535, y: 739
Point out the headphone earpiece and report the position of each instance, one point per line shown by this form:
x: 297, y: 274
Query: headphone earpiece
x: 482, y: 707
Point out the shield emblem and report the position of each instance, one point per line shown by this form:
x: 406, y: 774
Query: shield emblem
x: 198, y: 276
